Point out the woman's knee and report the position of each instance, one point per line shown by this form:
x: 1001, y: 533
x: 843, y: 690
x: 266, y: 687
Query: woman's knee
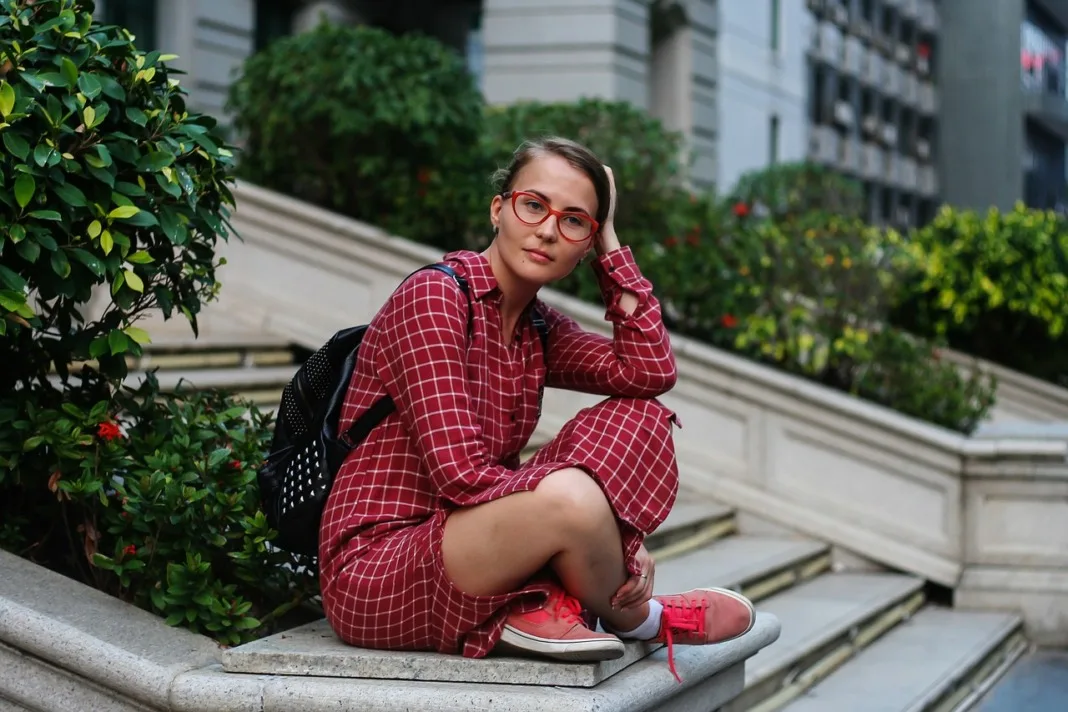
x: 573, y: 501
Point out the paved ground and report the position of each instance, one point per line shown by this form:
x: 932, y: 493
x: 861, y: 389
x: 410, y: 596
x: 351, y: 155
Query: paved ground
x: 1038, y: 683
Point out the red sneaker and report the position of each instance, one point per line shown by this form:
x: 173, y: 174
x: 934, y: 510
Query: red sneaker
x: 703, y: 616
x: 556, y: 630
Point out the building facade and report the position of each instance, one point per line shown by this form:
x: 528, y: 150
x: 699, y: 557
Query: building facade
x: 1005, y: 103
x: 922, y: 101
x: 874, y: 101
x: 763, y: 85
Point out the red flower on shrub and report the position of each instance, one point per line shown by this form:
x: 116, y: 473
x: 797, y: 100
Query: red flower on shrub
x: 740, y: 210
x: 235, y: 465
x: 728, y: 320
x: 130, y: 550
x: 423, y: 176
x: 108, y: 431
x: 671, y: 242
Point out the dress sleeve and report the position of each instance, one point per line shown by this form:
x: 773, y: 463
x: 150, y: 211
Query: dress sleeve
x: 420, y: 357
x: 636, y: 362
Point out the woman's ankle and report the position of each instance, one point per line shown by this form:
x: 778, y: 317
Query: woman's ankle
x: 626, y: 623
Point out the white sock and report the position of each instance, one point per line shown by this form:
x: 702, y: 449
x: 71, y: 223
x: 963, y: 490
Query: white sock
x: 651, y: 626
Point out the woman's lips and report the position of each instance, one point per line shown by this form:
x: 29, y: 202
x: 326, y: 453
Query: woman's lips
x: 539, y: 256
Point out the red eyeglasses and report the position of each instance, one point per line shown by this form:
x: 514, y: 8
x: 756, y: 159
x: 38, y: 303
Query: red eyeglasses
x: 532, y: 210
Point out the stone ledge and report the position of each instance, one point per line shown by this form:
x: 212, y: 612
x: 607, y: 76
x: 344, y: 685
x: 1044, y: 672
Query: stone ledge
x: 314, y: 650
x: 712, y: 675
x: 93, y: 635
x: 77, y: 644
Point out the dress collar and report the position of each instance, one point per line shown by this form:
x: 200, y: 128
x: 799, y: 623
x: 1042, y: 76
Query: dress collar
x: 477, y: 271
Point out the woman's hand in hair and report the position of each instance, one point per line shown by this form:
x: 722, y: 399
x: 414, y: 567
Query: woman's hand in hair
x: 605, y: 240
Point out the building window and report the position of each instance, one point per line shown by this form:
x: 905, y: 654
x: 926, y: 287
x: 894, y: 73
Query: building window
x: 773, y: 140
x: 137, y: 16
x: 274, y: 20
x: 776, y: 24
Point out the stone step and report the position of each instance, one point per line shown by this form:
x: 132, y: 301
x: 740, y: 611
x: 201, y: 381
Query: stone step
x: 216, y: 351
x: 825, y: 622
x: 937, y: 660
x: 8, y: 706
x: 693, y: 523
x: 268, y: 379
x: 237, y: 350
x: 755, y: 566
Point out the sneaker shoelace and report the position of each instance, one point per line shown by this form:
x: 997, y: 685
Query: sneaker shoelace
x: 565, y: 607
x: 681, y: 616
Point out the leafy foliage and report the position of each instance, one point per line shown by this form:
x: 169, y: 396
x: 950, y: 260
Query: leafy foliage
x: 793, y: 189
x: 808, y: 293
x: 995, y: 285
x: 106, y: 181
x: 112, y: 192
x: 151, y: 497
x: 380, y: 127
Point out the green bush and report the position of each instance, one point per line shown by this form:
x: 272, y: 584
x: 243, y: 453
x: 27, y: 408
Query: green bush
x: 106, y: 181
x: 794, y: 189
x: 995, y: 285
x: 155, y: 501
x: 644, y: 156
x: 808, y: 294
x: 109, y: 185
x: 382, y: 128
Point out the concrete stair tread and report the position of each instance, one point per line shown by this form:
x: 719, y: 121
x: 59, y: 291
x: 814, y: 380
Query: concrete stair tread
x: 225, y: 378
x: 689, y: 511
x: 913, y: 666
x: 233, y: 340
x: 734, y: 561
x: 819, y: 611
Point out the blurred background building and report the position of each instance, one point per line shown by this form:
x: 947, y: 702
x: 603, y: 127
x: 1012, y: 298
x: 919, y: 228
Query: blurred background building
x: 923, y: 101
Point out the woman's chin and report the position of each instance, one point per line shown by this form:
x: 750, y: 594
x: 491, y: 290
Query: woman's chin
x: 539, y: 274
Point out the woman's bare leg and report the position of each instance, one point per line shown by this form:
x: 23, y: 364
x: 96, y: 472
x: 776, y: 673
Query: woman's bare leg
x: 565, y: 522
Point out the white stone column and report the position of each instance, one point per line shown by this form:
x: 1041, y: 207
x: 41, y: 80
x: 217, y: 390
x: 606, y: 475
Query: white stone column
x: 561, y: 50
x: 684, y: 85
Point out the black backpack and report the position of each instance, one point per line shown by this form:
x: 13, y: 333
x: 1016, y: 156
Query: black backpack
x: 307, y: 451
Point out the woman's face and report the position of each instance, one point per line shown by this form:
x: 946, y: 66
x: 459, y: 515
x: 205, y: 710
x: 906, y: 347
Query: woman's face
x: 539, y: 254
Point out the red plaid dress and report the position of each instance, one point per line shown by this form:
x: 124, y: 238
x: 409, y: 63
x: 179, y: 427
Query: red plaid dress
x: 465, y: 410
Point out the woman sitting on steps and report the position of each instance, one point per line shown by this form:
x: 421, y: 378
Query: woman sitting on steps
x: 435, y: 537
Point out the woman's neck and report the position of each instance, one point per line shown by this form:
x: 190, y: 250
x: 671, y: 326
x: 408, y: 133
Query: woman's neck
x: 516, y: 294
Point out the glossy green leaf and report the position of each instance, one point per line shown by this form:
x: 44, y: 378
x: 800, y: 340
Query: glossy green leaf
x: 60, y: 264
x: 25, y: 186
x: 69, y: 71
x: 117, y: 342
x: 89, y: 85
x: 30, y: 250
x: 123, y: 212
x: 71, y: 195
x: 89, y: 260
x: 140, y: 258
x: 133, y: 281
x: 7, y: 98
x: 16, y: 145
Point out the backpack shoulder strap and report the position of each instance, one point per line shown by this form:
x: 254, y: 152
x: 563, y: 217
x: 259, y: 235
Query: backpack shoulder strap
x: 543, y: 331
x: 381, y: 408
x: 462, y: 284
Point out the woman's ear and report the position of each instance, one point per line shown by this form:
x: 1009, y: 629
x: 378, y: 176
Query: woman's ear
x: 495, y: 213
